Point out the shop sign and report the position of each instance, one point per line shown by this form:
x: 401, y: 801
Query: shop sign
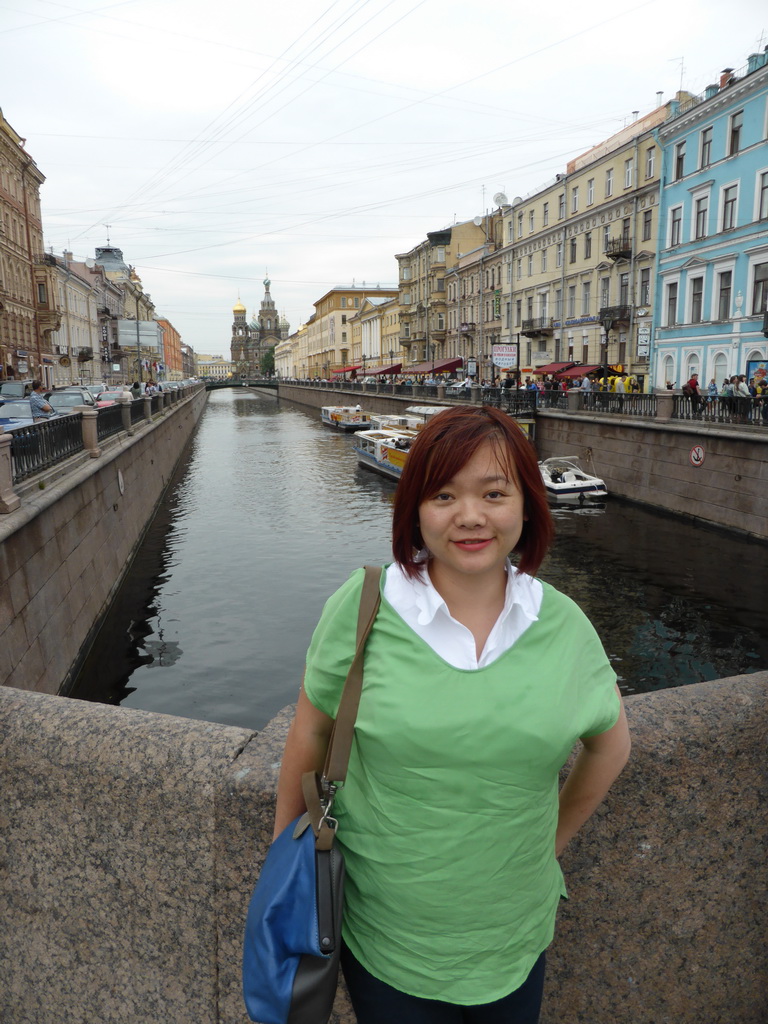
x: 504, y: 356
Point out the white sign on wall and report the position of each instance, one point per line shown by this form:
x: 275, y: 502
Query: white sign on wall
x: 504, y: 356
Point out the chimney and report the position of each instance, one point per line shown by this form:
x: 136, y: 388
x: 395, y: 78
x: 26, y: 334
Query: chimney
x: 726, y: 76
x: 67, y: 255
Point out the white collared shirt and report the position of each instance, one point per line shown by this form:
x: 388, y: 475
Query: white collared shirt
x: 418, y: 603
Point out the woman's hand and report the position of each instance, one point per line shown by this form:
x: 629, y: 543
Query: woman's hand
x: 305, y: 750
x: 598, y: 764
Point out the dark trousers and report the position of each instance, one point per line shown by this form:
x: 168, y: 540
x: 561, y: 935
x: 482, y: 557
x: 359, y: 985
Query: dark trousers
x: 375, y: 1002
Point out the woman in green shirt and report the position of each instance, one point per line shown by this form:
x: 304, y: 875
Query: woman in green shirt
x: 479, y: 679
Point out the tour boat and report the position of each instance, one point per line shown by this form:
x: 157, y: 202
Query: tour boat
x: 383, y: 451
x: 565, y: 479
x: 344, y: 417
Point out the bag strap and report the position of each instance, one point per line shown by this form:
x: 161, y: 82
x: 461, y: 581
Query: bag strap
x: 315, y: 788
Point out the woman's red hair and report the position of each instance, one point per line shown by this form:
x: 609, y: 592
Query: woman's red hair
x: 443, y: 447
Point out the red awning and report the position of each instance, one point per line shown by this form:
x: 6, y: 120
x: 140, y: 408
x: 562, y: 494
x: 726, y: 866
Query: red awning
x: 443, y: 366
x: 582, y: 371
x: 394, y: 368
x: 553, y: 368
x: 347, y: 369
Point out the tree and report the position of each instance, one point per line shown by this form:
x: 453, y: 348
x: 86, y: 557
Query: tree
x: 268, y: 363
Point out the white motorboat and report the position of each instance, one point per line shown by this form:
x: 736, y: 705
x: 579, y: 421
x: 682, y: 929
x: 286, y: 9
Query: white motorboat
x: 383, y: 451
x: 565, y: 479
x: 344, y: 417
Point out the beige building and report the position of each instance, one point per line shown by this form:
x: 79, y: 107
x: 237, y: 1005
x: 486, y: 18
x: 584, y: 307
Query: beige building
x: 328, y: 347
x: 27, y: 306
x: 424, y: 272
x: 216, y: 367
x: 579, y: 282
x: 139, y: 335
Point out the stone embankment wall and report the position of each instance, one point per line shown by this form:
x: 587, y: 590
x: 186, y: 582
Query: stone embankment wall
x: 718, y: 475
x: 64, y: 551
x: 130, y: 842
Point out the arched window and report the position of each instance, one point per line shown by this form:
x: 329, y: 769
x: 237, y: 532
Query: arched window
x: 693, y: 365
x: 667, y: 370
x: 720, y: 367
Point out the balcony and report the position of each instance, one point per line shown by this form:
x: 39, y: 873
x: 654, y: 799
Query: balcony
x: 467, y: 328
x: 85, y: 355
x: 610, y: 315
x: 619, y: 248
x: 537, y: 327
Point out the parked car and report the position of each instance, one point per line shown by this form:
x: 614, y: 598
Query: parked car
x: 66, y: 401
x: 85, y: 394
x: 17, y: 413
x: 113, y: 395
x: 15, y: 388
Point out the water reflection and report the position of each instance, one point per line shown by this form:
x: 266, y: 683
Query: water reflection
x: 270, y: 513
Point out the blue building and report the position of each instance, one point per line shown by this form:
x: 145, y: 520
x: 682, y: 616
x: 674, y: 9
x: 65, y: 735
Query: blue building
x: 712, y: 285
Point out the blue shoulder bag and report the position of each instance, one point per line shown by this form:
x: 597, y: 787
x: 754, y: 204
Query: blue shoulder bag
x: 293, y: 928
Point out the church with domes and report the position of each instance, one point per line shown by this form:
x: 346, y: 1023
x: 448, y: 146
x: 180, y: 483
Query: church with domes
x: 251, y: 341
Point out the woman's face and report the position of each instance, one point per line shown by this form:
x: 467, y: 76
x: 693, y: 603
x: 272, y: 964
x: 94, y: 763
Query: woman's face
x: 475, y: 520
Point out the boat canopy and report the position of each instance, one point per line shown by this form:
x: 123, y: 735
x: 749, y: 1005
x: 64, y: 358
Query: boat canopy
x: 442, y: 366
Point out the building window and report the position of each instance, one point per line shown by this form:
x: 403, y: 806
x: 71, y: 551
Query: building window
x: 606, y: 238
x: 344, y: 316
x: 588, y: 245
x: 42, y: 298
x: 405, y: 273
x: 609, y: 182
x: 671, y: 304
x: 626, y: 226
x: 519, y: 225
x: 705, y: 153
x: 586, y: 298
x: 357, y: 303
x: 530, y: 266
x: 724, y: 295
x: 629, y: 166
x: 561, y: 205
x: 730, y: 196
x: 676, y: 226
x: 585, y: 349
x: 735, y: 125
x: 701, y: 210
x: 762, y: 206
x: 605, y: 291
x: 650, y: 161
x: 679, y: 161
x: 518, y: 312
x: 343, y: 302
x: 529, y: 307
x: 645, y: 287
x: 760, y: 289
x: 441, y: 321
x: 543, y: 259
x: 559, y: 254
x: 575, y: 199
x: 590, y: 191
x: 572, y: 254
x: 623, y: 289
x: 572, y: 300
x: 344, y: 339
x: 647, y: 224
x: 697, y: 295
x: 519, y: 270
x: 406, y: 330
x: 545, y: 214
x: 558, y: 302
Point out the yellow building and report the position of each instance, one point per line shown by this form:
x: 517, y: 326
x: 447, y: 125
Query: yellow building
x: 328, y: 346
x: 582, y: 256
x: 28, y: 313
x: 424, y: 272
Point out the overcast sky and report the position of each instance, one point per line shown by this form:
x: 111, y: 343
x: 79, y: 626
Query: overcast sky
x: 313, y: 139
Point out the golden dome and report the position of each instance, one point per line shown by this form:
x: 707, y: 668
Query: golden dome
x: 238, y: 307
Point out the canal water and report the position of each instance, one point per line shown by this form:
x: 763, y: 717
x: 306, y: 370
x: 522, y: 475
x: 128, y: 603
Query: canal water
x: 270, y: 513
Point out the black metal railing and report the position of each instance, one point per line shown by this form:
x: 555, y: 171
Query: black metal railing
x: 537, y: 325
x: 737, y: 410
x: 41, y: 445
x: 109, y: 421
x: 137, y: 410
x: 616, y: 314
x: 621, y: 246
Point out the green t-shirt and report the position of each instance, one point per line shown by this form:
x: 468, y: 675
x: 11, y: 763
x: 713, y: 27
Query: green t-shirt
x: 448, y: 816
